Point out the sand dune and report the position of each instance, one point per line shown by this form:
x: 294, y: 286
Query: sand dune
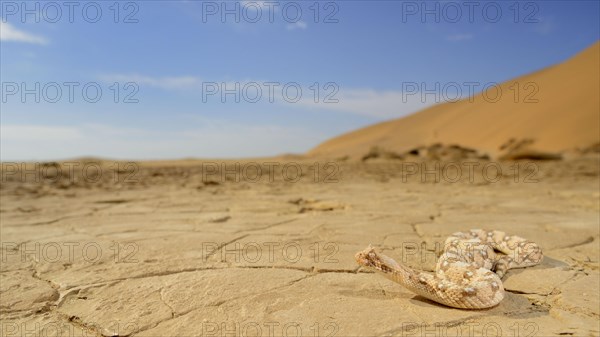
x: 556, y: 112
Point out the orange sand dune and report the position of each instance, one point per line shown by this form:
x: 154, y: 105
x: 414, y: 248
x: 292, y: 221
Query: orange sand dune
x: 565, y: 117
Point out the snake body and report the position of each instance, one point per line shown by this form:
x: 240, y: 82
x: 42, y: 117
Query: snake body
x: 468, y: 273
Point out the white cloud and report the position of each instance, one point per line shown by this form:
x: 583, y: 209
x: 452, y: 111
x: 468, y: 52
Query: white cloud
x: 38, y: 132
x: 459, y: 37
x: 170, y: 83
x: 10, y: 33
x: 267, y: 5
x: 368, y: 102
x: 544, y: 25
x: 265, y: 11
x: 365, y: 102
x: 209, y: 140
x: 296, y: 25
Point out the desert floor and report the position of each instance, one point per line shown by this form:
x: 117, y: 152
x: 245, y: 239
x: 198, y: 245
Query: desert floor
x: 185, y: 248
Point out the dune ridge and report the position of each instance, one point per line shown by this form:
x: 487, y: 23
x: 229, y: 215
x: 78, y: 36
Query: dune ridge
x: 561, y: 117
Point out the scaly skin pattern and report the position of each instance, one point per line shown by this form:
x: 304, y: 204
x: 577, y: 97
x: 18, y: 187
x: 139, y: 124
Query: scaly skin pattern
x: 469, y: 271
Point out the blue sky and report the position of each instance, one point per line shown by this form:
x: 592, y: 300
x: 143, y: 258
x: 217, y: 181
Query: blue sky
x: 172, y: 60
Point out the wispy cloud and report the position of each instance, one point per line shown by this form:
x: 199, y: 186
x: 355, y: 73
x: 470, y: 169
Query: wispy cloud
x: 209, y: 140
x: 249, y: 4
x: 459, y: 37
x: 263, y: 14
x: 544, y: 25
x: 39, y: 132
x: 9, y: 33
x: 365, y: 102
x: 169, y: 83
x: 296, y: 25
x: 373, y: 103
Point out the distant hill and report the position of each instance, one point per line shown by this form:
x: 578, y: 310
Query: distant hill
x: 565, y: 118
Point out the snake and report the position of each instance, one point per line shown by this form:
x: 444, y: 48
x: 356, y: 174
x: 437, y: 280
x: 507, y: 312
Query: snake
x: 468, y: 272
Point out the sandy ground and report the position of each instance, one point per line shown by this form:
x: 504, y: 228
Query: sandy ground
x: 180, y: 249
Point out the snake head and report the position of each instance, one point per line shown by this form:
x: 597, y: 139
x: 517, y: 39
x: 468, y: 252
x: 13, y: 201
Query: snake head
x: 366, y: 257
x: 371, y: 259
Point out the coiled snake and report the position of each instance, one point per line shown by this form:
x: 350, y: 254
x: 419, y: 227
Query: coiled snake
x: 469, y: 271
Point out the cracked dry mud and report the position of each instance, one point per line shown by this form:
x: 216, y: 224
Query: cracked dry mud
x: 174, y: 254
